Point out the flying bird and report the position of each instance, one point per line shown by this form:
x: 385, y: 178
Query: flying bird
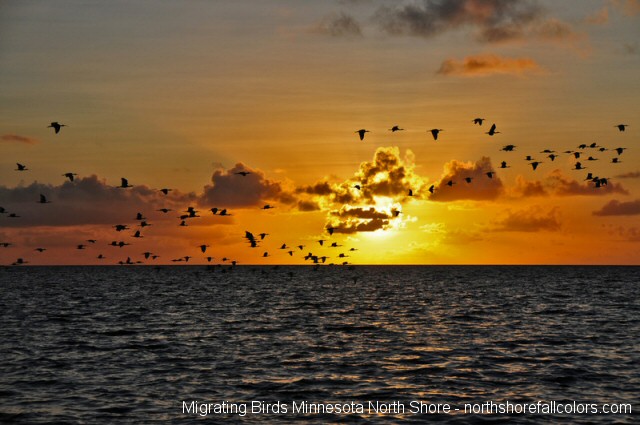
x: 243, y: 173
x: 435, y: 132
x: 432, y: 188
x: 393, y: 129
x: 478, y: 121
x: 492, y: 130
x: 508, y: 148
x: 21, y: 167
x: 165, y: 190
x: 124, y: 183
x: 622, y: 127
x: 56, y: 126
x: 468, y: 179
x: 619, y: 150
x: 361, y: 133
x: 535, y: 164
x: 490, y: 174
x: 203, y: 248
x: 503, y: 164
x: 70, y: 176
x: 579, y: 166
x: 43, y: 200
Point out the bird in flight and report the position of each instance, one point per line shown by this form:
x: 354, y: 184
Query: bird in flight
x: 21, y: 167
x: 508, y: 148
x: 478, y: 121
x: 490, y: 174
x: 243, y: 173
x: 124, y: 183
x: 70, y: 176
x: 619, y: 150
x: 393, y: 129
x: 43, y: 200
x: 361, y: 133
x: 435, y: 132
x: 56, y: 126
x: 165, y: 190
x: 503, y: 164
x: 492, y: 130
x: 622, y: 127
x: 203, y: 248
x: 535, y: 164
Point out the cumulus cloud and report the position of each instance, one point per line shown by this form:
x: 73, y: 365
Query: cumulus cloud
x: 530, y: 220
x: 481, y: 187
x: 615, y: 207
x: 16, y: 138
x: 366, y: 201
x: 229, y: 189
x: 87, y: 200
x: 493, y: 20
x: 338, y: 25
x: 557, y: 184
x: 483, y: 65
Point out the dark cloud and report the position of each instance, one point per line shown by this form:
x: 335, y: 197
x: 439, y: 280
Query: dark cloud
x: 615, y: 207
x: 358, y: 212
x: 306, y: 206
x: 557, y: 184
x: 482, y: 65
x: 481, y: 187
x: 16, y: 138
x: 231, y: 190
x: 87, y: 200
x: 339, y: 25
x: 355, y: 226
x: 630, y: 234
x: 531, y: 220
x: 629, y: 175
x: 494, y: 20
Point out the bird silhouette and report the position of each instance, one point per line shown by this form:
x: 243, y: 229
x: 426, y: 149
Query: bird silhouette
x: 56, y: 126
x: 619, y: 150
x: 361, y: 133
x: 410, y: 192
x: 243, y: 173
x: 535, y: 164
x: 492, y: 130
x: 622, y: 127
x: 579, y: 166
x: 124, y: 183
x: 490, y: 174
x: 164, y: 210
x: 478, y: 121
x: 503, y: 164
x: 432, y: 188
x: 508, y: 148
x: 552, y: 157
x: 616, y: 161
x: 393, y: 129
x: 267, y: 207
x: 468, y: 179
x: 21, y: 167
x: 435, y: 132
x: 165, y: 190
x: 70, y: 176
x: 203, y: 248
x: 43, y: 200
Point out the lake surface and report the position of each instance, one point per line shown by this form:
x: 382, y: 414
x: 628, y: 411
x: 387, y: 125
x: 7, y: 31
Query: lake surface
x: 169, y: 344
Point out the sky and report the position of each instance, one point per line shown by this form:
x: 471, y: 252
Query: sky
x: 184, y: 95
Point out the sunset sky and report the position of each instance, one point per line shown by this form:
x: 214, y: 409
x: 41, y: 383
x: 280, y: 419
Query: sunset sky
x: 183, y: 95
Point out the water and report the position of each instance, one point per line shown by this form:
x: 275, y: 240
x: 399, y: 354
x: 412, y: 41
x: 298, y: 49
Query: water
x: 130, y: 344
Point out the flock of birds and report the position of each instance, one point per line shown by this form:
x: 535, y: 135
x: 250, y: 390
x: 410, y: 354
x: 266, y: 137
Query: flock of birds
x: 254, y: 241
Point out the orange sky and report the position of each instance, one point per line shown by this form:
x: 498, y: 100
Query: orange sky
x: 185, y: 97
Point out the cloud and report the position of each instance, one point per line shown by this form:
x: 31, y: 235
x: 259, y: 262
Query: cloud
x: 630, y: 234
x: 557, y: 184
x: 615, y: 207
x: 87, y: 200
x: 628, y: 7
x: 16, y: 138
x: 600, y: 17
x: 533, y: 219
x: 338, y: 25
x: 367, y: 201
x: 483, y: 65
x: 386, y: 176
x: 629, y: 175
x: 232, y: 190
x: 481, y: 187
x: 494, y: 21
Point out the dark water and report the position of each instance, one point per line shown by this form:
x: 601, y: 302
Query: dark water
x: 129, y: 345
